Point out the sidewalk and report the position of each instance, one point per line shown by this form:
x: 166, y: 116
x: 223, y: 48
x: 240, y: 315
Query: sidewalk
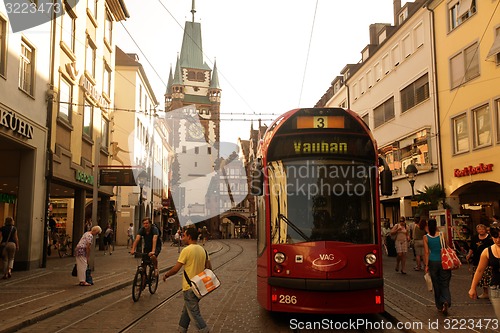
x: 31, y: 296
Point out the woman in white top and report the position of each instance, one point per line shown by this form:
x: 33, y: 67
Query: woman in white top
x: 401, y: 242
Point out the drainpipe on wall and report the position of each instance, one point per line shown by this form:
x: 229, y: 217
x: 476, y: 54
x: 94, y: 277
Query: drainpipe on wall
x: 437, y: 116
x: 348, y: 96
x: 48, y: 165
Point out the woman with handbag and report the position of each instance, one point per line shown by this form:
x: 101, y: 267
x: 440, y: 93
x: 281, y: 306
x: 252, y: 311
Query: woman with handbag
x: 432, y: 259
x: 490, y: 257
x: 10, y: 244
x: 82, y: 255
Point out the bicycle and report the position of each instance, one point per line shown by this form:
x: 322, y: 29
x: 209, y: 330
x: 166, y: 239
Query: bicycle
x: 64, y: 245
x: 145, y: 275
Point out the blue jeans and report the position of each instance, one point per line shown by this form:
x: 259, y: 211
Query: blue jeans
x: 191, y: 311
x: 440, y: 283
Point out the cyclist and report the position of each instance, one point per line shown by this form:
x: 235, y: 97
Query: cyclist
x: 152, y: 243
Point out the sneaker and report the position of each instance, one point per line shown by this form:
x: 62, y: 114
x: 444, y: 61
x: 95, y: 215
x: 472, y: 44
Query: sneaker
x: 483, y: 296
x: 156, y: 272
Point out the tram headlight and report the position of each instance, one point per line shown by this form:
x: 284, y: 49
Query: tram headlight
x: 279, y: 257
x: 370, y: 258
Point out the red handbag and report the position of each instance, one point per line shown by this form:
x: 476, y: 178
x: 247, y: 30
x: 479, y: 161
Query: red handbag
x: 449, y: 258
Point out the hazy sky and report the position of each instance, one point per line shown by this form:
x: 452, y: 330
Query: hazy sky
x: 261, y: 48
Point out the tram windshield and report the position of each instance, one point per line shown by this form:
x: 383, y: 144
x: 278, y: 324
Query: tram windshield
x: 322, y: 200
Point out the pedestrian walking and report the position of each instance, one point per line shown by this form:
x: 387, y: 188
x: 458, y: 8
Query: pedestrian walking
x: 440, y: 277
x: 204, y: 235
x: 401, y: 241
x: 419, y: 230
x: 9, y: 246
x: 130, y: 234
x: 479, y: 242
x: 82, y: 254
x: 108, y: 239
x: 177, y: 238
x: 385, y: 234
x: 195, y: 259
x: 490, y: 257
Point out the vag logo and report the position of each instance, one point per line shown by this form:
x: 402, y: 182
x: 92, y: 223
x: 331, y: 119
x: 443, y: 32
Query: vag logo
x: 326, y: 257
x: 327, y: 261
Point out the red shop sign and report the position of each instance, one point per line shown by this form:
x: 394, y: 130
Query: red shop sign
x: 470, y: 170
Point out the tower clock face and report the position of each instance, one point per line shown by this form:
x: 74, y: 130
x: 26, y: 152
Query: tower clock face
x: 195, y: 131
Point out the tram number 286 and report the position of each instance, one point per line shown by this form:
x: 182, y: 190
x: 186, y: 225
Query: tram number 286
x: 287, y: 299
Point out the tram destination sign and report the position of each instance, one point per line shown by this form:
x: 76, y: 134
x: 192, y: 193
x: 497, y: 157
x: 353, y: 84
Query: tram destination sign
x: 116, y: 177
x: 350, y: 145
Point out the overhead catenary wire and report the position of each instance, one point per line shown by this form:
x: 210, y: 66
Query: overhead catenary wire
x: 145, y: 57
x: 308, y: 52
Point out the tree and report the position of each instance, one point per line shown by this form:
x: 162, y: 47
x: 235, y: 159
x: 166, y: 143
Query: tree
x: 430, y: 199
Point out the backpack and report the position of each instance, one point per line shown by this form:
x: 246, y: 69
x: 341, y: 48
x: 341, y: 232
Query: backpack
x: 158, y: 242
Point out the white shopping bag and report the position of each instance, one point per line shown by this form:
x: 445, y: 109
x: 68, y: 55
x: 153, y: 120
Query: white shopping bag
x: 428, y: 281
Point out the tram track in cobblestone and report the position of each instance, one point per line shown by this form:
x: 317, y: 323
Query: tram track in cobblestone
x: 106, y: 306
x: 145, y: 316
x: 233, y: 307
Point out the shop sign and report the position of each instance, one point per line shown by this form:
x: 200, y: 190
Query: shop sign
x: 84, y: 178
x: 461, y: 216
x: 117, y: 177
x: 91, y: 91
x: 9, y: 120
x: 470, y: 170
x: 8, y: 198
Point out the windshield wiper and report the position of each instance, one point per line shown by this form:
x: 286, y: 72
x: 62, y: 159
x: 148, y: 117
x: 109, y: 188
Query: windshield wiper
x: 294, y: 227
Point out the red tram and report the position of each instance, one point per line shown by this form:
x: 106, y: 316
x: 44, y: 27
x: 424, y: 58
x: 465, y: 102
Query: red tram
x: 316, y: 182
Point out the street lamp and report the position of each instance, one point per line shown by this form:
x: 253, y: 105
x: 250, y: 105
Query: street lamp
x: 411, y: 172
x: 142, y: 178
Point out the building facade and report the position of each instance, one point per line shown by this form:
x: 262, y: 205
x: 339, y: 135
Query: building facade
x: 138, y: 139
x: 24, y: 89
x: 393, y: 89
x: 55, y: 99
x: 82, y: 86
x: 467, y: 50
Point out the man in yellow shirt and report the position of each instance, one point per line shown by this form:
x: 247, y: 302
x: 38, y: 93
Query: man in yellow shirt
x: 194, y: 259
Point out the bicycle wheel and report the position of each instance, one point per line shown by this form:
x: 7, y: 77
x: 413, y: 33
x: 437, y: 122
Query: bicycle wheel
x: 153, y: 280
x: 137, y: 284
